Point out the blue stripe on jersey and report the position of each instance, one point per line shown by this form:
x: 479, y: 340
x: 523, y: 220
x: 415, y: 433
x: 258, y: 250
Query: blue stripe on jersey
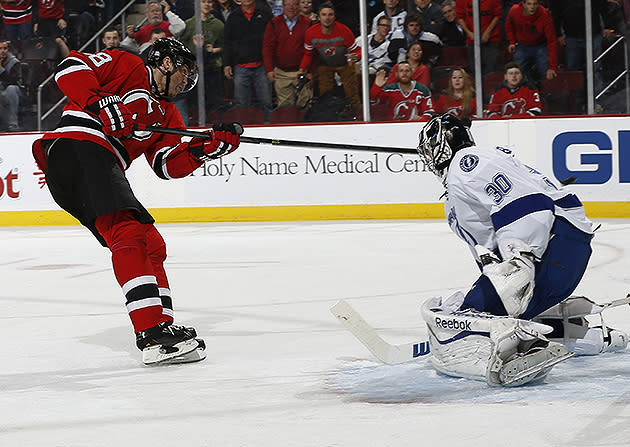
x: 521, y: 207
x: 570, y: 201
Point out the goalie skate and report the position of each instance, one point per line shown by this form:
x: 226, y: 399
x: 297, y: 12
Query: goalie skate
x: 169, y: 343
x: 530, y: 367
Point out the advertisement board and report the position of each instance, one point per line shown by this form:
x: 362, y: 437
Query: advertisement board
x: 261, y: 182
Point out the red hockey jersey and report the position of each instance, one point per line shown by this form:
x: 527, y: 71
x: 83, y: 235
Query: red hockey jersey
x: 50, y: 9
x: 80, y: 76
x: 16, y: 12
x: 446, y: 104
x: 518, y: 102
x: 416, y: 103
x: 331, y: 48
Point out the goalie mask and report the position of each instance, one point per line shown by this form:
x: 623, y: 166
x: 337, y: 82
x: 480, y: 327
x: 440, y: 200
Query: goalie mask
x: 440, y: 139
x: 180, y: 56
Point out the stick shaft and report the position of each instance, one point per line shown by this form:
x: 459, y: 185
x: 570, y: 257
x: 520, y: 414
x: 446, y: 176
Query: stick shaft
x: 291, y: 143
x: 318, y: 145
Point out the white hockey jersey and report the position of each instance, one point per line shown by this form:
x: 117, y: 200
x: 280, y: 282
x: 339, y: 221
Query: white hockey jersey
x: 491, y: 195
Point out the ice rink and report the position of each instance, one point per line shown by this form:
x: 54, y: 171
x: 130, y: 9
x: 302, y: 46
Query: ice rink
x: 281, y: 371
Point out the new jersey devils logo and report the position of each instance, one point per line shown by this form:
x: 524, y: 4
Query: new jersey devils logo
x: 455, y: 110
x: 514, y: 106
x: 405, y: 110
x: 144, y: 109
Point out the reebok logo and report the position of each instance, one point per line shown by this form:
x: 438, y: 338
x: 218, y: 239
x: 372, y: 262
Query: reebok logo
x: 453, y: 324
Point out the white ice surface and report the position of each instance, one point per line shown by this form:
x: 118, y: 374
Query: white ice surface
x: 281, y: 371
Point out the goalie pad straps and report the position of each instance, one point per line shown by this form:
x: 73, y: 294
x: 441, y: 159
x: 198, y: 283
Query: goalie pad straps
x: 576, y: 335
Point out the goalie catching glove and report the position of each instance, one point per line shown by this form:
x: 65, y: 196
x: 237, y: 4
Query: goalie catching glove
x: 113, y: 113
x: 223, y: 139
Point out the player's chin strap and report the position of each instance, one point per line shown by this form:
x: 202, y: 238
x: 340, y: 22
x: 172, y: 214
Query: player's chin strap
x: 168, y: 74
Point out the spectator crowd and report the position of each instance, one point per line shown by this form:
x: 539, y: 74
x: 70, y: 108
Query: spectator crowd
x: 304, y: 55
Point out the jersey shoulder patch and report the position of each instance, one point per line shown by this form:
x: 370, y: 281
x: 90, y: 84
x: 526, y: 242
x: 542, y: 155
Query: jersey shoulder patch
x: 468, y: 162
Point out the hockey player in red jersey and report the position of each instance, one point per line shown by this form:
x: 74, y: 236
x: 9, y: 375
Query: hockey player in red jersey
x: 513, y: 98
x: 407, y: 99
x: 112, y: 97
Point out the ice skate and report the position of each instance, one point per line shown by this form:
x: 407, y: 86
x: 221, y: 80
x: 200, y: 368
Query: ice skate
x: 531, y: 366
x: 170, y: 343
x: 196, y: 355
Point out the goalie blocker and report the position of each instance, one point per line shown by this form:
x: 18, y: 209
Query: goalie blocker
x: 504, y: 351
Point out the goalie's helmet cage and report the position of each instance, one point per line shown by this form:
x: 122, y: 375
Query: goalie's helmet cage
x: 440, y: 139
x: 179, y: 55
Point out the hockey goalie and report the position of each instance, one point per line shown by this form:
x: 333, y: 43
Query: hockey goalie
x: 532, y: 242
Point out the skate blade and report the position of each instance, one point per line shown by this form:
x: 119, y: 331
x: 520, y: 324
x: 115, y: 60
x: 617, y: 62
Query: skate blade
x: 159, y: 354
x: 538, y: 371
x: 196, y: 355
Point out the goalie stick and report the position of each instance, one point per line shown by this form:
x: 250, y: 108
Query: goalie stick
x: 396, y: 354
x: 385, y: 352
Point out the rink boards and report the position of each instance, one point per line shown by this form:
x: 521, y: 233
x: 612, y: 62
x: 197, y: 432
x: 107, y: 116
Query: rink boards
x: 270, y: 183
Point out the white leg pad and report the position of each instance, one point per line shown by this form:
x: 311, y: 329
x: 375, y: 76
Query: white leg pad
x: 501, y: 350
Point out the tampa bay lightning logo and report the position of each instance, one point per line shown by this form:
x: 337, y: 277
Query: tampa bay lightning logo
x: 468, y: 162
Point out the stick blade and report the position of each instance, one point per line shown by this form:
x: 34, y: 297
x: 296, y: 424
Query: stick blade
x: 385, y: 352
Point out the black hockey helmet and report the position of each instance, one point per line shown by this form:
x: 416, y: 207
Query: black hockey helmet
x: 179, y: 54
x: 440, y: 139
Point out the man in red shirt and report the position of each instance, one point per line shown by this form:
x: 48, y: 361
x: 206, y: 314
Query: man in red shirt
x: 407, y: 99
x: 112, y: 97
x: 337, y: 50
x: 283, y: 49
x: 514, y: 98
x: 156, y: 10
x: 490, y: 12
x: 532, y: 39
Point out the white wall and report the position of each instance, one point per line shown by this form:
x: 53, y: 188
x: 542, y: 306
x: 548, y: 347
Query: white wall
x: 258, y: 175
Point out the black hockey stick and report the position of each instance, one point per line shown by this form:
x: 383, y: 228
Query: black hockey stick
x: 278, y: 142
